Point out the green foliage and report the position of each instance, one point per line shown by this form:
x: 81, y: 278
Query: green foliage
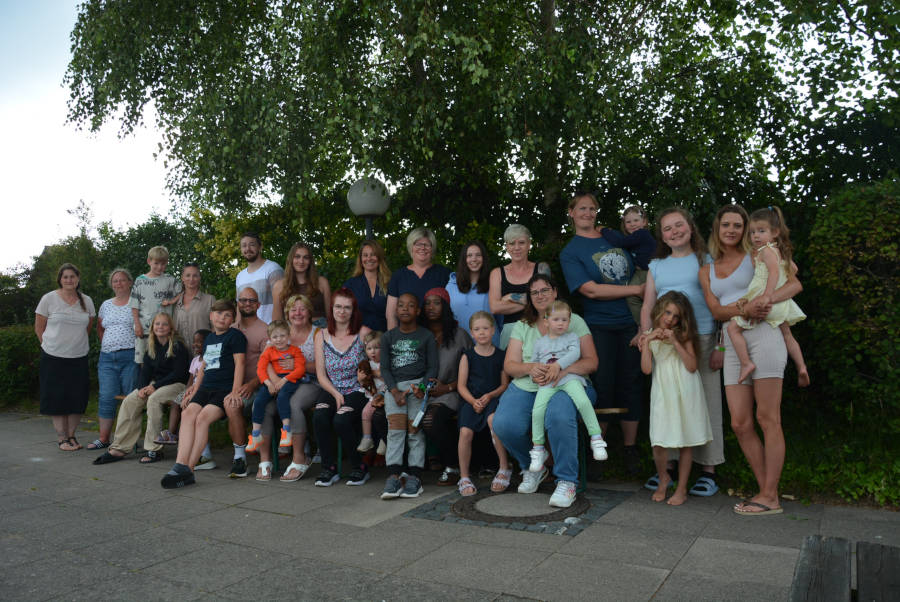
x: 20, y: 357
x: 855, y: 262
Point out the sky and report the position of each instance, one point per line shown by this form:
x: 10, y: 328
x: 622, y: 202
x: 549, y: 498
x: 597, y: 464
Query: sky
x: 47, y: 165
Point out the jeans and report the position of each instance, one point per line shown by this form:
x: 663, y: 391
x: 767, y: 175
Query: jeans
x: 283, y: 401
x: 512, y: 425
x: 116, y: 374
x: 347, y: 423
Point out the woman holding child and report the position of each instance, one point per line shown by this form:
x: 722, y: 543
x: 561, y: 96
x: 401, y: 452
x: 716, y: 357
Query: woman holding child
x: 301, y: 278
x: 725, y: 282
x: 339, y: 349
x: 513, y: 418
x: 303, y: 333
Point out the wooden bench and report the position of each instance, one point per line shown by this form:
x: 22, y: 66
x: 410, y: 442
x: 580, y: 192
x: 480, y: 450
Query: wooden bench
x: 823, y: 571
x: 582, y: 445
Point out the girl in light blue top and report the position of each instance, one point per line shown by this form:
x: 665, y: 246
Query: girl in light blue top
x: 468, y: 287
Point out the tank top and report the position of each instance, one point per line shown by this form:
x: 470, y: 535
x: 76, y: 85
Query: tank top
x: 734, y: 286
x: 507, y: 287
x: 341, y: 367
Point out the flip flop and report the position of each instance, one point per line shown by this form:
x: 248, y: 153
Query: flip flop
x: 704, y: 487
x: 97, y: 444
x: 107, y: 458
x: 763, y: 509
x: 264, y: 471
x: 301, y: 468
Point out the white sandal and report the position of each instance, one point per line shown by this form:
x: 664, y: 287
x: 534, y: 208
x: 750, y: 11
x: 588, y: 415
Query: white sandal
x: 264, y: 472
x: 302, y: 468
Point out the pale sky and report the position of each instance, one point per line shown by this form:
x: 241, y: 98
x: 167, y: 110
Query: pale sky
x: 46, y: 165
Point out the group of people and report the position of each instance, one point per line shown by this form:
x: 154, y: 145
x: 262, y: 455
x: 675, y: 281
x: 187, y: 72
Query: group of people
x: 486, y: 363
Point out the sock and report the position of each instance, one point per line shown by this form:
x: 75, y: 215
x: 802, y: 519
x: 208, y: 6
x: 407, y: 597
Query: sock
x: 366, y: 436
x: 255, y: 433
x: 597, y: 437
x: 286, y: 428
x: 179, y: 469
x: 206, y: 451
x: 538, y: 447
x: 240, y: 451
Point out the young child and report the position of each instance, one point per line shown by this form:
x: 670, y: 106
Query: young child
x: 678, y: 414
x: 149, y: 295
x: 375, y: 392
x: 409, y: 359
x: 637, y: 240
x: 170, y: 436
x: 217, y: 383
x: 481, y: 382
x: 772, y: 258
x: 282, y: 387
x: 564, y: 349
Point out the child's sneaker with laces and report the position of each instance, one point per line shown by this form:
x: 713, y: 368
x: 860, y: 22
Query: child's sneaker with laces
x: 327, y: 478
x: 392, y: 488
x: 253, y: 443
x: 598, y: 447
x: 413, y: 487
x: 285, y: 439
x: 564, y: 494
x: 359, y: 476
x: 538, y: 455
x: 365, y: 445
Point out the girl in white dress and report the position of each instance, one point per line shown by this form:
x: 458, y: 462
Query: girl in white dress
x: 678, y: 414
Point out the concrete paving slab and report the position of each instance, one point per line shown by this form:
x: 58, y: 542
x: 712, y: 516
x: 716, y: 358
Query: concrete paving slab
x: 55, y: 576
x: 875, y: 531
x: 491, y: 568
x: 683, y: 586
x: 641, y: 512
x: 632, y: 545
x: 398, y: 587
x: 147, y: 548
x: 727, y: 560
x: 514, y: 539
x: 381, y: 549
x: 168, y: 509
x: 291, y: 501
x: 135, y: 586
x: 563, y: 577
x: 787, y: 529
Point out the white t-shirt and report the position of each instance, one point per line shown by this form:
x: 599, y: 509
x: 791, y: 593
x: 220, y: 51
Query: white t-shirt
x: 66, y: 333
x: 261, y: 280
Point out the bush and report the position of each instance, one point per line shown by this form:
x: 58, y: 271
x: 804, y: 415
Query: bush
x: 20, y: 357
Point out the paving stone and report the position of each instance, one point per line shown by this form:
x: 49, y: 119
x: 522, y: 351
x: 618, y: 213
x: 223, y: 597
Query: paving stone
x: 726, y: 560
x: 217, y: 565
x: 641, y: 547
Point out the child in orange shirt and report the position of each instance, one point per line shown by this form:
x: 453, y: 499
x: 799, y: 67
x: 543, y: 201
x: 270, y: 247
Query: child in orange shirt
x: 281, y: 388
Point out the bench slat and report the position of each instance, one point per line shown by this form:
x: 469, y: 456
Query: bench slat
x: 823, y: 570
x: 877, y: 572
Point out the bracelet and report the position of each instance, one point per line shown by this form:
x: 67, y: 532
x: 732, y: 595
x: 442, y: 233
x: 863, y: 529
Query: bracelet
x: 720, y: 348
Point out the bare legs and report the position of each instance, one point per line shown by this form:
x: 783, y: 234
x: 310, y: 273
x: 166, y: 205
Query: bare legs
x: 793, y: 349
x: 65, y: 425
x: 194, y: 432
x: 661, y: 458
x: 736, y: 334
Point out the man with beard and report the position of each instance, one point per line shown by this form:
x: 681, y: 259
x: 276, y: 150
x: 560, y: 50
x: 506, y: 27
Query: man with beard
x: 260, y: 274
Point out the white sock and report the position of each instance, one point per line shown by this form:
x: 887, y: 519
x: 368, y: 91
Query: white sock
x: 240, y: 451
x: 206, y: 451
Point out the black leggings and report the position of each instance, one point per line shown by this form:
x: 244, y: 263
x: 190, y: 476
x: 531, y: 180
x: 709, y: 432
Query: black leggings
x: 439, y: 425
x: 347, y: 425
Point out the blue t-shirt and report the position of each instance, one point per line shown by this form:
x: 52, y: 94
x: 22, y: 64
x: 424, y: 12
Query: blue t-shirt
x: 639, y: 243
x: 466, y: 304
x: 218, y: 355
x: 595, y: 260
x: 681, y: 274
x: 373, y: 309
x: 405, y: 280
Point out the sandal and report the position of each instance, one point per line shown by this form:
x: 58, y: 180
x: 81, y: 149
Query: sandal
x: 300, y: 468
x: 150, y: 457
x: 446, y: 476
x: 107, y: 458
x: 98, y: 444
x: 264, y: 471
x: 70, y: 446
x: 501, y: 481
x: 166, y: 437
x: 705, y: 486
x: 73, y: 441
x: 466, y: 487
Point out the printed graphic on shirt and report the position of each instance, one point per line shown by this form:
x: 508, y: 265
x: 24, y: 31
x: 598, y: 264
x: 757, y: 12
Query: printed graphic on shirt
x: 403, y: 353
x: 614, y: 266
x: 213, y: 356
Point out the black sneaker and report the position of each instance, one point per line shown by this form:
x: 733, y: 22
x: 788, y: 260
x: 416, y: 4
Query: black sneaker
x: 238, y: 469
x: 327, y: 478
x: 176, y: 481
x: 359, y: 476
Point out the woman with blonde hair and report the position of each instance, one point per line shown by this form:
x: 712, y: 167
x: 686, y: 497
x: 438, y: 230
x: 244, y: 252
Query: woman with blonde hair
x: 301, y: 278
x: 419, y: 276
x: 369, y: 284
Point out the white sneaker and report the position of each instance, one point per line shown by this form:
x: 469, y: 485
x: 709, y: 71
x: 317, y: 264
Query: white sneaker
x: 564, y: 494
x: 538, y: 457
x: 598, y: 446
x: 382, y: 448
x: 365, y: 445
x: 205, y: 463
x: 532, y: 480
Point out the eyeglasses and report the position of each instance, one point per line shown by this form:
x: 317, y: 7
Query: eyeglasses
x: 422, y: 245
x: 246, y: 300
x: 540, y: 292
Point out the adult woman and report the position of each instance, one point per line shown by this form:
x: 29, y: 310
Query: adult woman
x: 369, y: 285
x: 192, y: 306
x: 339, y: 349
x: 62, y: 322
x: 679, y: 256
x: 419, y: 276
x: 164, y: 374
x: 115, y: 370
x: 512, y: 420
x: 469, y: 286
x: 301, y: 278
x: 600, y: 273
x: 303, y: 333
x: 508, y: 283
x: 439, y: 422
x: 724, y: 283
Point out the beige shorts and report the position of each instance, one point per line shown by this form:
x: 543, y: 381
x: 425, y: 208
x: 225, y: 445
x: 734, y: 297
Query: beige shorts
x: 767, y: 350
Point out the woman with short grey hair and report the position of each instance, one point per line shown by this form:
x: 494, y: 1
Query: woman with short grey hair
x: 509, y: 283
x: 418, y: 277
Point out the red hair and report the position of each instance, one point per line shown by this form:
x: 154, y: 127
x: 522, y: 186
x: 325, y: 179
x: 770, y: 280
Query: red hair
x: 355, y: 315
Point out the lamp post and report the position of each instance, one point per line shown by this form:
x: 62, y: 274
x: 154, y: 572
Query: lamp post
x: 369, y: 198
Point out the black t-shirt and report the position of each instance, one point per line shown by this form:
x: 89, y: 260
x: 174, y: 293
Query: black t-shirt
x: 218, y: 357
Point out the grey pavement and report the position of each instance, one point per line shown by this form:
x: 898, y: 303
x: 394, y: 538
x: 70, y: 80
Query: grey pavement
x: 72, y: 531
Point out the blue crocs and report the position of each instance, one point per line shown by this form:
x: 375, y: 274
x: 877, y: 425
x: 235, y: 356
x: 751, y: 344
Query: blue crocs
x: 705, y: 486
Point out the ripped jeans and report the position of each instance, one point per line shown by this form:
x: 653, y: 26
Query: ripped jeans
x: 346, y: 422
x: 401, y: 432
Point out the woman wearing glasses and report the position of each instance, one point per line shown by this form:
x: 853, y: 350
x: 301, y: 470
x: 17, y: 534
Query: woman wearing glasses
x: 600, y: 273
x: 418, y: 277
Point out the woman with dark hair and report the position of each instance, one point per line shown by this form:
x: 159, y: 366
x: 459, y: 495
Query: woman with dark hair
x: 302, y: 278
x: 369, y: 284
x: 469, y: 286
x: 439, y: 422
x: 339, y: 349
x: 512, y: 420
x: 62, y: 323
